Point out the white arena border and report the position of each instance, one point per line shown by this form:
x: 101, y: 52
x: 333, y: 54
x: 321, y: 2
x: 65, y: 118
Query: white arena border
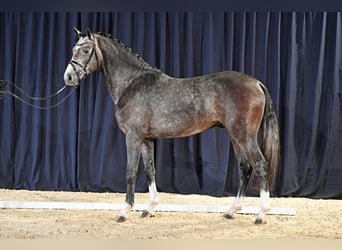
x: 137, y: 207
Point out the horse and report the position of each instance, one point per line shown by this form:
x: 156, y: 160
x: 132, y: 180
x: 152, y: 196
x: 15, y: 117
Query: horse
x: 150, y: 104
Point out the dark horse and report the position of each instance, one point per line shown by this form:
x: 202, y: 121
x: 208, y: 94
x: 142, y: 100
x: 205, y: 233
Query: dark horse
x: 150, y: 104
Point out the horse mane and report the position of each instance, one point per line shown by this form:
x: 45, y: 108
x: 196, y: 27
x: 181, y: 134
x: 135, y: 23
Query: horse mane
x: 125, y: 47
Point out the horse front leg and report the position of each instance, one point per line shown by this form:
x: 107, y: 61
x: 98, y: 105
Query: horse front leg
x: 147, y: 152
x: 133, y: 145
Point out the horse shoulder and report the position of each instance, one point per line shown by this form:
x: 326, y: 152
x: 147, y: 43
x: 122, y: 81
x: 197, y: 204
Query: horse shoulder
x: 133, y: 105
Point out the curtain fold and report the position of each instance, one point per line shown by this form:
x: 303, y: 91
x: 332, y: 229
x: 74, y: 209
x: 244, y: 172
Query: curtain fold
x: 78, y: 145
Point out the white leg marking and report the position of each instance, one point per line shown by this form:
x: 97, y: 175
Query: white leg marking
x: 152, y: 188
x: 264, y: 197
x: 125, y: 210
x: 264, y: 205
x: 236, y: 206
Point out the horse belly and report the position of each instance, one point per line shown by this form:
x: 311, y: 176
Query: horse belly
x: 177, y: 128
x: 171, y: 122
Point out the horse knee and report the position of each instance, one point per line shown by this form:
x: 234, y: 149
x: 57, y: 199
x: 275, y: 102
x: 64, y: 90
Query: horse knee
x: 130, y: 180
x: 150, y: 171
x: 131, y: 175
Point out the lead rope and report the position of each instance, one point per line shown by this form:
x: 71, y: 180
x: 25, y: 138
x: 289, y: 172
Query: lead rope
x: 3, y: 91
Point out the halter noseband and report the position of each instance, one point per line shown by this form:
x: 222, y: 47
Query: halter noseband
x: 84, y: 67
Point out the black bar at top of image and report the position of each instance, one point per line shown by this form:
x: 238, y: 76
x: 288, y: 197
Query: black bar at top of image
x: 172, y: 5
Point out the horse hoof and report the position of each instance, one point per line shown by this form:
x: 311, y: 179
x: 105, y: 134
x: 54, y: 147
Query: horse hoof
x: 121, y: 219
x: 147, y: 214
x: 228, y: 216
x: 259, y: 221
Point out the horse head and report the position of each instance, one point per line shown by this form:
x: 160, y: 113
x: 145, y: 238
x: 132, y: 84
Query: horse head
x: 86, y: 58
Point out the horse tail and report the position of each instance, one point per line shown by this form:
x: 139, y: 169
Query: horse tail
x: 270, y: 144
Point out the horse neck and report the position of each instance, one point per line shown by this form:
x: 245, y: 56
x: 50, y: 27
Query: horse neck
x: 120, y: 67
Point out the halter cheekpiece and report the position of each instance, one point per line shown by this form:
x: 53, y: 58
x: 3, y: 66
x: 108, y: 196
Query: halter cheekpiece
x: 84, y: 67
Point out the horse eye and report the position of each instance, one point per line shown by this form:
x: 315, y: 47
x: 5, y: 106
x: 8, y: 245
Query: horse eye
x: 85, y: 50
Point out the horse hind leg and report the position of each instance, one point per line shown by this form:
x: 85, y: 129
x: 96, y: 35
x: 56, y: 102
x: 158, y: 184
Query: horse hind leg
x: 260, y: 167
x: 261, y: 175
x: 250, y: 158
x: 147, y: 153
x: 245, y: 171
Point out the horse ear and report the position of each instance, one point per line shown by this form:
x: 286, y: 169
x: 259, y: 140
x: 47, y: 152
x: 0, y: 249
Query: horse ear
x: 77, y: 32
x: 88, y: 31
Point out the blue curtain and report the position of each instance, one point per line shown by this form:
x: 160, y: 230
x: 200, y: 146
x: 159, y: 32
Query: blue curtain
x: 78, y: 145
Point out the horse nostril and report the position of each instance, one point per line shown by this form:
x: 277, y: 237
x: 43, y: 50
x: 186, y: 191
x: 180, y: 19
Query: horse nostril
x: 68, y: 78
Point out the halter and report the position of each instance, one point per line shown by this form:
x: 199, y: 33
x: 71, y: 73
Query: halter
x: 84, y: 67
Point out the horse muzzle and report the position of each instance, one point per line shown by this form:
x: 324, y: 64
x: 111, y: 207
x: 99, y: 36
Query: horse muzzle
x: 70, y: 76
